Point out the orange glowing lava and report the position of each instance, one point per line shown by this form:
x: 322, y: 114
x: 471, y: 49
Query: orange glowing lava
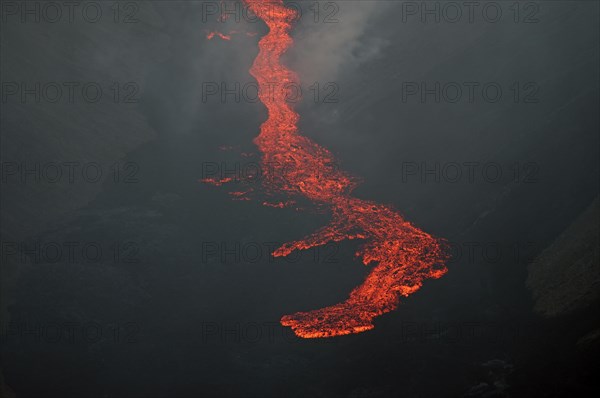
x: 403, y: 255
x: 211, y: 35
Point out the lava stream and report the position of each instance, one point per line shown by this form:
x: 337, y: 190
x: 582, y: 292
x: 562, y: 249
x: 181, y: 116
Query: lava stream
x: 404, y: 255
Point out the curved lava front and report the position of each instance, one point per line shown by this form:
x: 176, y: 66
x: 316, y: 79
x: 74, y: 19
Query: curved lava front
x: 404, y: 255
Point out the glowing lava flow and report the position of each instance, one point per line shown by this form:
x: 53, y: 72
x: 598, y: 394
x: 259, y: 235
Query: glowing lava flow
x: 404, y: 255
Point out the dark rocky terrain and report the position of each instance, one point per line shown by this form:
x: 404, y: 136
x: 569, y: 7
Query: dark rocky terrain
x: 520, y: 325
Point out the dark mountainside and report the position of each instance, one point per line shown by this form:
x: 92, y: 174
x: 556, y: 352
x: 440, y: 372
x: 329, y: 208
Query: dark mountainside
x: 519, y: 326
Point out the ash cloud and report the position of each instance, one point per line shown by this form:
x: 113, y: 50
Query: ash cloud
x: 332, y: 37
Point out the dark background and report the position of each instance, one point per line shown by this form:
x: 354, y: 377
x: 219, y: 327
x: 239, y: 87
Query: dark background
x: 194, y: 324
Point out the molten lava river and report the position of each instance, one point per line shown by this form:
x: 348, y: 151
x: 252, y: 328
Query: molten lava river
x: 402, y: 255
